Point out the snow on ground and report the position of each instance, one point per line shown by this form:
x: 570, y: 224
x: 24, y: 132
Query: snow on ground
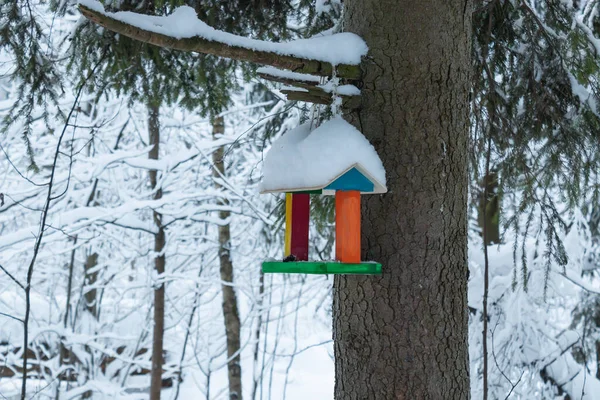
x: 311, y: 376
x: 339, y: 48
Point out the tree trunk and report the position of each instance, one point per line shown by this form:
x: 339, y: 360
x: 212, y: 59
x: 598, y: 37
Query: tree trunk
x: 256, y: 379
x: 403, y: 335
x: 91, y: 296
x: 159, y: 261
x: 230, y: 308
x: 489, y: 209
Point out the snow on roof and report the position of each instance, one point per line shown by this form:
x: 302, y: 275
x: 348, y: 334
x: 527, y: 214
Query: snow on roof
x: 339, y: 48
x: 309, y: 160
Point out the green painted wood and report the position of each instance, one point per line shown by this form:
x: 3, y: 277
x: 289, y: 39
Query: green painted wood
x: 321, y: 267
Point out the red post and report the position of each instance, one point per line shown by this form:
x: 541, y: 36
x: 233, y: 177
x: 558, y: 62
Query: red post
x: 300, y: 225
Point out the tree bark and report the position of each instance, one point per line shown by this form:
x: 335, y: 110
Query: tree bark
x: 91, y: 297
x: 230, y: 308
x: 159, y: 261
x: 489, y: 209
x: 403, y: 335
x: 598, y: 359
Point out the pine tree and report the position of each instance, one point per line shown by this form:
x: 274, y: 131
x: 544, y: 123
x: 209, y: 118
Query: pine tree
x: 404, y: 335
x: 157, y: 76
x: 535, y: 116
x: 535, y: 104
x: 418, y: 307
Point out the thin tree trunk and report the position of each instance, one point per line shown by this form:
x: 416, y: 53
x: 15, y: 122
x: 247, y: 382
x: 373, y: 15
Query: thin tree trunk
x: 91, y: 300
x: 90, y: 200
x: 598, y: 359
x: 91, y: 295
x: 230, y: 308
x: 403, y: 335
x: 63, y: 350
x: 256, y: 379
x: 159, y: 261
x: 486, y: 227
x: 195, y: 307
x: 489, y: 209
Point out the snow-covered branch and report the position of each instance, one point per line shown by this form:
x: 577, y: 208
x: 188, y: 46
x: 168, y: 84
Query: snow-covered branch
x: 338, y: 54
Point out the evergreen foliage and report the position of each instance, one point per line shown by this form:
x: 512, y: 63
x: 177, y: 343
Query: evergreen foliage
x: 26, y: 41
x: 535, y: 107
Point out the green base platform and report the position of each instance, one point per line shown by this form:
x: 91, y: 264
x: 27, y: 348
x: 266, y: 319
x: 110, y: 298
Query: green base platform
x: 321, y: 267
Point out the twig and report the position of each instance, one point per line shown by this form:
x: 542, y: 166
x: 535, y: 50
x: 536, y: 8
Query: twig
x: 17, y: 169
x: 12, y: 277
x: 577, y: 283
x: 11, y: 316
x: 513, y: 385
x: 197, y: 297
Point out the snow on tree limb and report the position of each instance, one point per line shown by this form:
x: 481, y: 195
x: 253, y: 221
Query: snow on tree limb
x: 306, y: 87
x: 182, y: 30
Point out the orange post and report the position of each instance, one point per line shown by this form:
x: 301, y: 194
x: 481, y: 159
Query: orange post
x: 347, y: 226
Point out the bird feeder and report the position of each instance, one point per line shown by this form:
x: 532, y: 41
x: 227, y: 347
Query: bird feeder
x: 333, y: 159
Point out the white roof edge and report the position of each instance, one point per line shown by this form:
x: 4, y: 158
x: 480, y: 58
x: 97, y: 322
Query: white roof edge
x: 378, y: 187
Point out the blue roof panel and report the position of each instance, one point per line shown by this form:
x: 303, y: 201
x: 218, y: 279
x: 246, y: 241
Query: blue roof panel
x: 352, y: 180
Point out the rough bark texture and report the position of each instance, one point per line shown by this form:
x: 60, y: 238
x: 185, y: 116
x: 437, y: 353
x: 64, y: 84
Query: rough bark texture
x: 230, y: 308
x: 404, y: 335
x: 159, y: 262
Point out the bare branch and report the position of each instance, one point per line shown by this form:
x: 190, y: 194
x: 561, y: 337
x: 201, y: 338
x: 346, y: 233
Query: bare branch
x: 11, y: 316
x: 12, y: 277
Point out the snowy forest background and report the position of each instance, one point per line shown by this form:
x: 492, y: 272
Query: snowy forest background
x: 81, y: 111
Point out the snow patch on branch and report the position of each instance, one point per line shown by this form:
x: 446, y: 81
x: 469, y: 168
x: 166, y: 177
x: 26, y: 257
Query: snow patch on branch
x: 339, y: 48
x: 343, y: 90
x: 280, y: 73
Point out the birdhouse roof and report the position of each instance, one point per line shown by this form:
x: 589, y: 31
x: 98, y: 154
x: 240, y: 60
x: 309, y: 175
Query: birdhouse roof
x: 334, y: 156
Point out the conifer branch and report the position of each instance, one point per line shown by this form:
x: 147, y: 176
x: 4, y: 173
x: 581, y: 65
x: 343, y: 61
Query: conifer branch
x: 201, y: 45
